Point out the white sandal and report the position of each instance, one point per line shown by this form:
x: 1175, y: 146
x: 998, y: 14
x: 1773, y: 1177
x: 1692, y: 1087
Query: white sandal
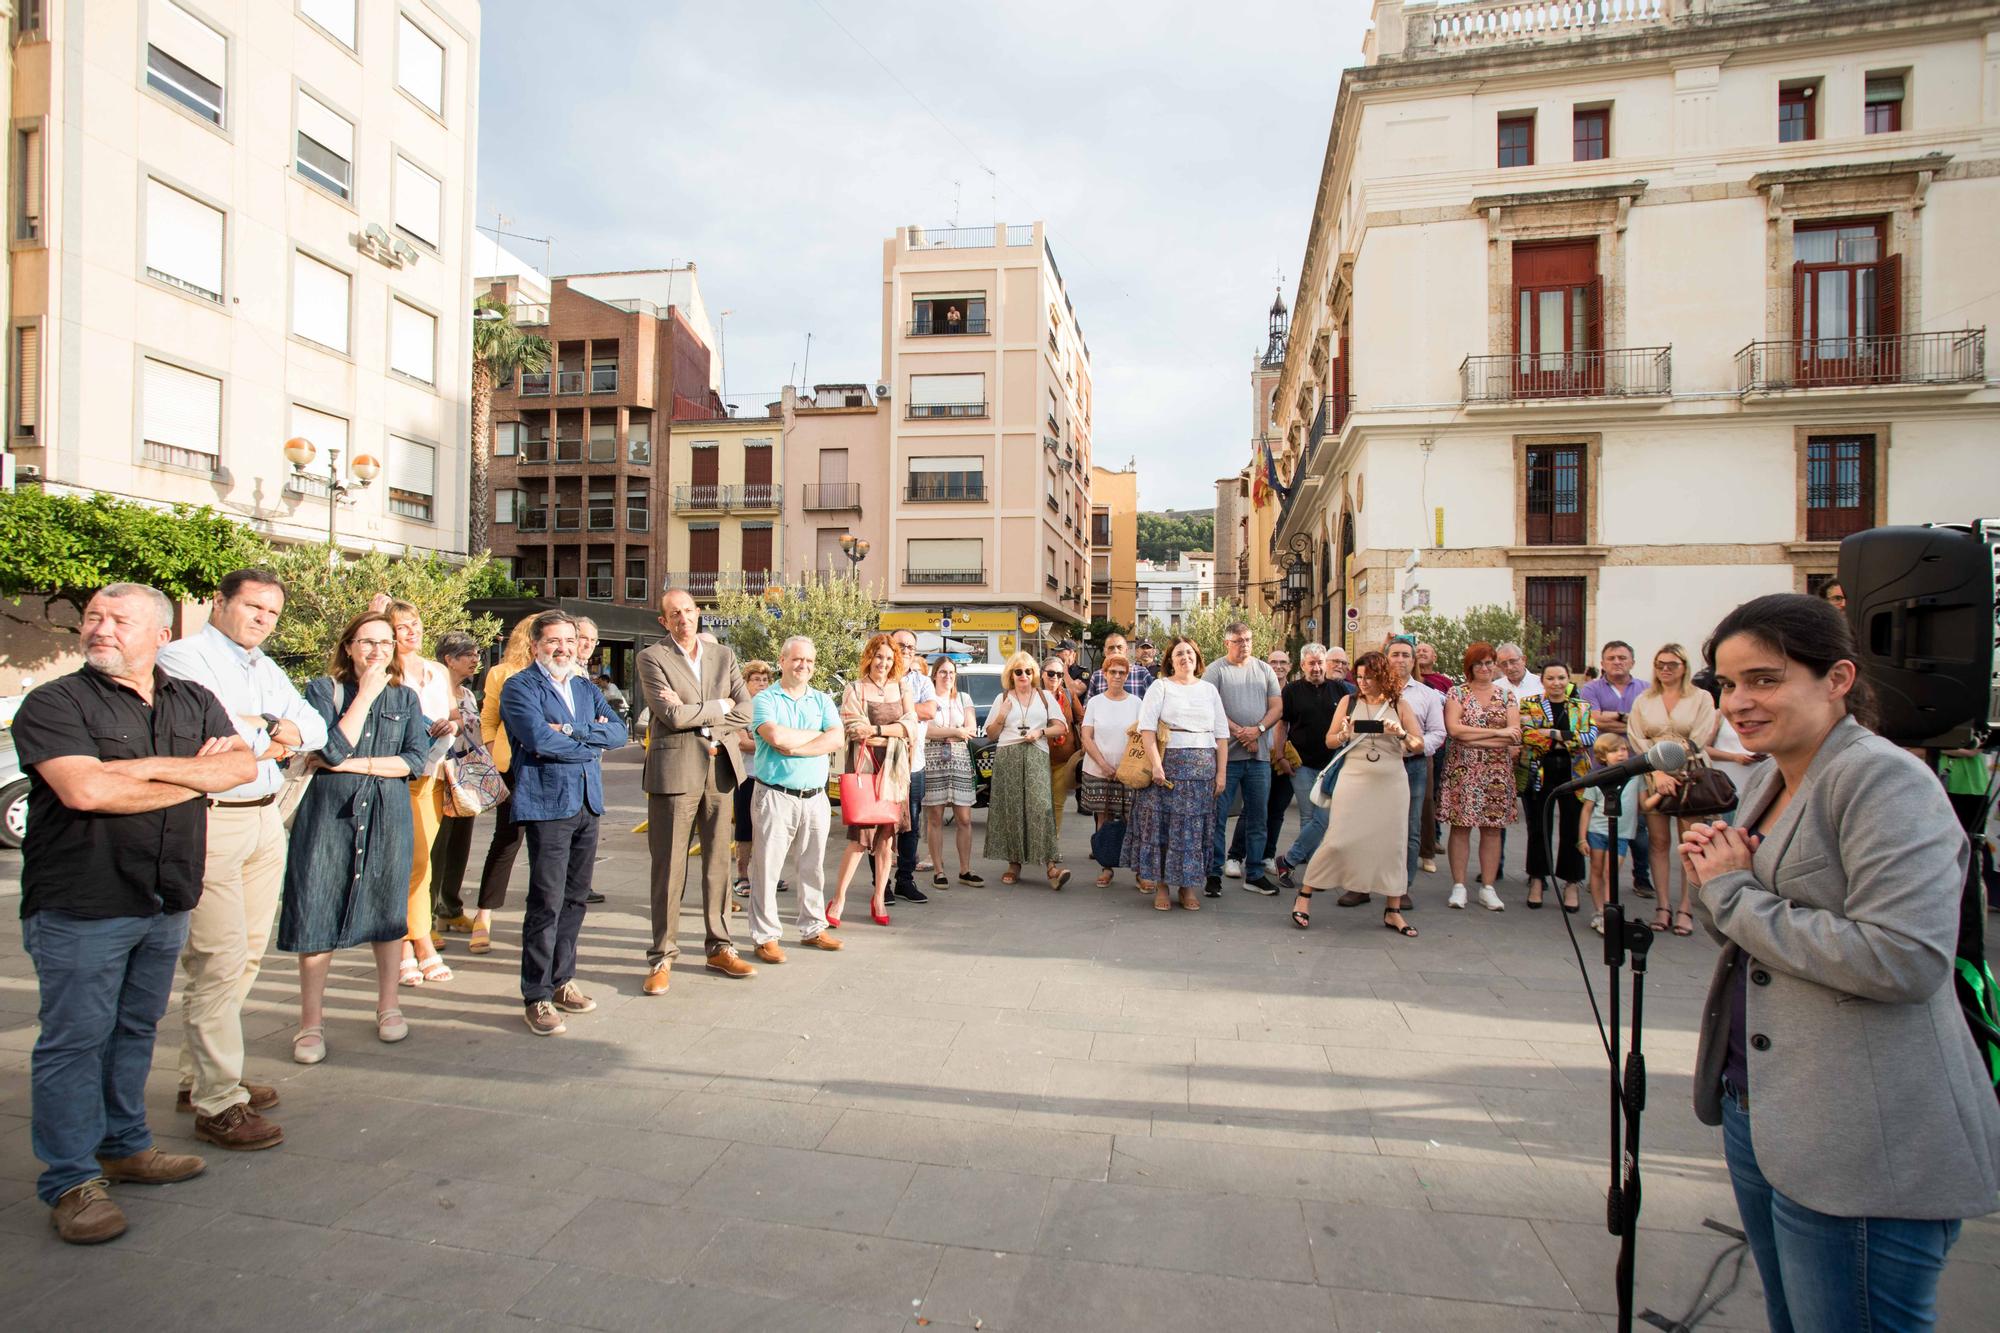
x: 434, y: 968
x: 309, y: 1047
x: 390, y: 1025
x: 410, y: 974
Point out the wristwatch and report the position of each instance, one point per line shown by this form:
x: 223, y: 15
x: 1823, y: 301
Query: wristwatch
x: 568, y: 730
x: 271, y: 721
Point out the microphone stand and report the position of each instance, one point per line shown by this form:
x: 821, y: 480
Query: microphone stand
x: 1624, y: 941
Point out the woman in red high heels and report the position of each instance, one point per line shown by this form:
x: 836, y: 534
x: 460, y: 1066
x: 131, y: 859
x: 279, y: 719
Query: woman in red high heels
x: 880, y: 714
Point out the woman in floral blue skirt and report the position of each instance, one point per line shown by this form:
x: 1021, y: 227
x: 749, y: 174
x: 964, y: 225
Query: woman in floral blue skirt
x: 1172, y: 824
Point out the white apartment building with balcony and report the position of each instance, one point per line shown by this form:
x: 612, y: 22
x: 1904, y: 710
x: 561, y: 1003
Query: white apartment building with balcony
x: 1168, y: 590
x: 1621, y: 313
x: 234, y: 222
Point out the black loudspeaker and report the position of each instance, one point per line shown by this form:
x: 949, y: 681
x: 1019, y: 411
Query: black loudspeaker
x: 1921, y: 602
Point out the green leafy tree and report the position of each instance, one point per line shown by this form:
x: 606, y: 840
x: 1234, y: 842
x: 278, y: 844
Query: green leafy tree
x: 1452, y: 635
x: 321, y: 597
x: 1164, y: 536
x: 1205, y: 624
x: 837, y: 613
x: 499, y: 348
x: 1103, y: 628
x: 63, y: 548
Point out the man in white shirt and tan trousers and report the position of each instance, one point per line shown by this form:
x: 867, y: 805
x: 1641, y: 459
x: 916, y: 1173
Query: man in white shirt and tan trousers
x: 245, y: 869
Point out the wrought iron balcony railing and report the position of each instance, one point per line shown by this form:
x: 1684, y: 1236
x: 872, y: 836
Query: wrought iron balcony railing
x: 1955, y: 356
x: 1612, y: 372
x: 944, y: 576
x: 831, y: 495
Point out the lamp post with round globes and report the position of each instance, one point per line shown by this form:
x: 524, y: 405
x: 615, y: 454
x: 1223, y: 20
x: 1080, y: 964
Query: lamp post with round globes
x: 856, y: 550
x: 300, y: 452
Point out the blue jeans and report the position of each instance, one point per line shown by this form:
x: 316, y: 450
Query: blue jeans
x: 1861, y: 1274
x: 105, y: 983
x: 906, y: 841
x: 1642, y: 855
x: 1417, y: 768
x: 1312, y: 819
x: 1251, y: 779
x: 561, y: 856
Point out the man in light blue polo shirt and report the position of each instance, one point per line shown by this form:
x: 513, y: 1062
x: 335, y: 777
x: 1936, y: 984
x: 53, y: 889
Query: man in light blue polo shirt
x: 797, y: 727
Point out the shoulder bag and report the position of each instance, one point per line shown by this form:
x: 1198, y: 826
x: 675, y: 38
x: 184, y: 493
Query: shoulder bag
x: 1062, y: 750
x: 1701, y: 793
x: 862, y: 804
x: 1134, y: 769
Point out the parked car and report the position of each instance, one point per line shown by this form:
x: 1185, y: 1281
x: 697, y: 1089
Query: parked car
x: 13, y: 794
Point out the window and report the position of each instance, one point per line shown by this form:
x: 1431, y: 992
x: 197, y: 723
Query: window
x: 1557, y: 503
x: 1882, y: 112
x: 636, y: 506
x: 419, y: 64
x: 828, y: 558
x: 183, y: 241
x: 506, y: 504
x: 1591, y: 136
x: 603, y: 441
x: 1846, y: 298
x: 319, y: 301
x: 181, y: 417
x: 946, y: 560
x: 325, y: 146
x: 336, y: 17
x: 186, y: 60
x: 1798, y: 113
x: 1517, y: 141
x: 947, y: 395
x: 756, y: 550
x: 947, y: 479
x: 28, y: 183
x: 27, y: 380
x: 602, y: 505
x: 1055, y: 422
x: 419, y: 209
x: 1840, y: 486
x: 635, y: 576
x: 944, y: 315
x: 1100, y: 529
x: 27, y: 18
x: 506, y: 439
x: 1049, y: 563
x: 412, y: 471
x: 1558, y: 320
x: 326, y: 432
x: 639, y: 443
x: 1557, y: 606
x: 412, y: 341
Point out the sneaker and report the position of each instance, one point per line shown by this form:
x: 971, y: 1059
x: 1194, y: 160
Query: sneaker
x: 1597, y: 924
x: 1490, y: 900
x: 85, y: 1215
x: 1214, y: 886
x: 1261, y: 885
x: 543, y: 1020
x: 1233, y: 868
x: 593, y: 898
x: 913, y: 894
x: 571, y: 1000
x: 1457, y: 898
x: 1428, y: 866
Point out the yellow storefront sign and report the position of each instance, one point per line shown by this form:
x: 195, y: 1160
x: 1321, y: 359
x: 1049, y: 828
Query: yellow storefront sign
x: 962, y: 622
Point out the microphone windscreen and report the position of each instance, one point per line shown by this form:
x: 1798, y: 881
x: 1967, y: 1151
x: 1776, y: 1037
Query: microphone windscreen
x: 1667, y: 757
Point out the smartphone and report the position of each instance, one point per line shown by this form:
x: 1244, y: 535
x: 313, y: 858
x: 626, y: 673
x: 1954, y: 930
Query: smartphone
x: 1367, y: 726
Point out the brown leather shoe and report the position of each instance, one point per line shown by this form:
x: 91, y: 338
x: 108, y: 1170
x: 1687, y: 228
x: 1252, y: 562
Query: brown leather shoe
x: 657, y: 980
x: 769, y: 952
x: 239, y: 1129
x: 262, y: 1098
x: 725, y: 961
x: 85, y: 1215
x: 152, y: 1167
x: 823, y: 940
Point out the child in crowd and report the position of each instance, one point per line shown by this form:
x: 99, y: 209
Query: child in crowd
x: 1598, y: 840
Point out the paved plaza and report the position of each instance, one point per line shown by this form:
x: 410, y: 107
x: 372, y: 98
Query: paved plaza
x: 1012, y: 1110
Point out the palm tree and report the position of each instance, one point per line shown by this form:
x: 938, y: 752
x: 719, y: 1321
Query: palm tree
x: 499, y: 348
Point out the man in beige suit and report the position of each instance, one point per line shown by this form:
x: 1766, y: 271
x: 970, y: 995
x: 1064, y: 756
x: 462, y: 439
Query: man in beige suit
x: 698, y: 702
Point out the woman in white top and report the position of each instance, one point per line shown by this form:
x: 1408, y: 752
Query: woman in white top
x: 1020, y: 816
x: 427, y: 789
x: 948, y: 777
x: 1172, y: 827
x: 1107, y: 720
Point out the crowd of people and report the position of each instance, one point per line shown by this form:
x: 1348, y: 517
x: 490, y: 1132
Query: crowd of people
x: 187, y: 798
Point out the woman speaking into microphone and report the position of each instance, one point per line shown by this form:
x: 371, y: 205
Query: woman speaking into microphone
x: 1857, y: 1122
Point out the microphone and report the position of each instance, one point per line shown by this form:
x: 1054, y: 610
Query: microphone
x: 1666, y: 757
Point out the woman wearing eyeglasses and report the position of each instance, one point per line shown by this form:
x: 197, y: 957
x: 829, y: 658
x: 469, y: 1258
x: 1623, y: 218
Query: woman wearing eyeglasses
x: 1020, y: 815
x: 1671, y: 709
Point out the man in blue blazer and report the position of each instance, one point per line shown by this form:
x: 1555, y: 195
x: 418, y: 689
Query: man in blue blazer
x: 559, y: 726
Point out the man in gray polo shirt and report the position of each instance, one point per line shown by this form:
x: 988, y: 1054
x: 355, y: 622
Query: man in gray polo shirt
x: 1250, y: 699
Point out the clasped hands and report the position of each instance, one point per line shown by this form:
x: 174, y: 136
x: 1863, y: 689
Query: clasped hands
x: 1717, y: 848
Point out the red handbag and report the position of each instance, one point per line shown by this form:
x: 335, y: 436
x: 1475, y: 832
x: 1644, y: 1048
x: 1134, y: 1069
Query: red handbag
x: 861, y: 802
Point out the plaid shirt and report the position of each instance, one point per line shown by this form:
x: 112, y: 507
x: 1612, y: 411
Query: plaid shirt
x: 1138, y: 682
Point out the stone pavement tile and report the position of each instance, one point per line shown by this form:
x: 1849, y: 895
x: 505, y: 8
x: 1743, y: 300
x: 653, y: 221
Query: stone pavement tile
x: 469, y: 1214
x: 901, y: 1138
x: 1362, y: 1310
x: 284, y: 1183
x: 581, y: 1100
x: 807, y: 1188
x: 1005, y: 1073
x: 1139, y: 1048
x: 119, y: 1285
x: 920, y: 1099
x: 1025, y: 1038
x: 980, y: 992
x: 1561, y: 1195
x: 1449, y: 1142
x: 155, y: 1219
x: 33, y: 1266
x: 1070, y: 996
x: 1348, y: 1133
x: 254, y: 1244
x: 588, y: 1298
x: 1213, y: 1053
x: 870, y: 1274
x: 740, y: 1050
x: 1668, y: 1278
x: 346, y: 1127
x: 1107, y: 1087
x: 1414, y: 1253
x: 1188, y: 1231
x: 1967, y: 1291
x: 952, y: 1205
x: 455, y: 1277
x: 710, y: 1115
x: 530, y: 1152
x: 1401, y: 1067
x: 1164, y: 1023
x: 856, y: 1058
x: 1009, y: 1292
x: 639, y: 1239
x: 1274, y: 1093
x: 1281, y: 1173
x: 1038, y: 1150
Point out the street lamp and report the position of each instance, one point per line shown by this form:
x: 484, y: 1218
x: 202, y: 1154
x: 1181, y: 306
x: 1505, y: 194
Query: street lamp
x: 856, y: 550
x: 1298, y: 574
x: 300, y: 452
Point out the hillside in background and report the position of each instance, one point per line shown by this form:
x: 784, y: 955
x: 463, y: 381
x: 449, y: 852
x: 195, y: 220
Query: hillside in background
x: 1165, y: 533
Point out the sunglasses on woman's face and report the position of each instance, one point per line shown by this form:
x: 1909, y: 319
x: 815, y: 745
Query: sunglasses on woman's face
x: 1024, y: 672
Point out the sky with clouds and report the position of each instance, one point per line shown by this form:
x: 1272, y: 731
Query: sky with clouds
x: 1173, y: 148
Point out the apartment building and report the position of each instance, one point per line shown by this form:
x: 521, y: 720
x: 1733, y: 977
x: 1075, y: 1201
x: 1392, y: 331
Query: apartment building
x: 989, y: 389
x: 1623, y: 313
x: 1168, y: 590
x: 234, y: 224
x: 1114, y: 543
x: 579, y: 500
x: 835, y: 461
x: 727, y: 505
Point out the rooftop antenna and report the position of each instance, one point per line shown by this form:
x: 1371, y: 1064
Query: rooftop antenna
x: 807, y: 373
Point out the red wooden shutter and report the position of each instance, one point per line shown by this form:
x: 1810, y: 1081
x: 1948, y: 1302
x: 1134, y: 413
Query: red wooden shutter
x: 1593, y: 318
x: 757, y: 465
x: 704, y: 550
x: 1889, y: 296
x: 706, y: 466
x: 1801, y: 367
x: 756, y: 550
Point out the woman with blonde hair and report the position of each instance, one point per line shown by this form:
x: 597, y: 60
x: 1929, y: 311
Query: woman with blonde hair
x: 879, y: 710
x: 1020, y: 814
x: 948, y: 775
x: 432, y: 682
x: 499, y: 867
x: 1672, y: 708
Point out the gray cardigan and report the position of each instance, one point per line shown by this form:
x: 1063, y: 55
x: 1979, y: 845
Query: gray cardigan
x: 1867, y: 1096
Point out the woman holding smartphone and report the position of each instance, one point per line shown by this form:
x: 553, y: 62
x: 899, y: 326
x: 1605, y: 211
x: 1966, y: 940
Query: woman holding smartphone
x: 1366, y: 823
